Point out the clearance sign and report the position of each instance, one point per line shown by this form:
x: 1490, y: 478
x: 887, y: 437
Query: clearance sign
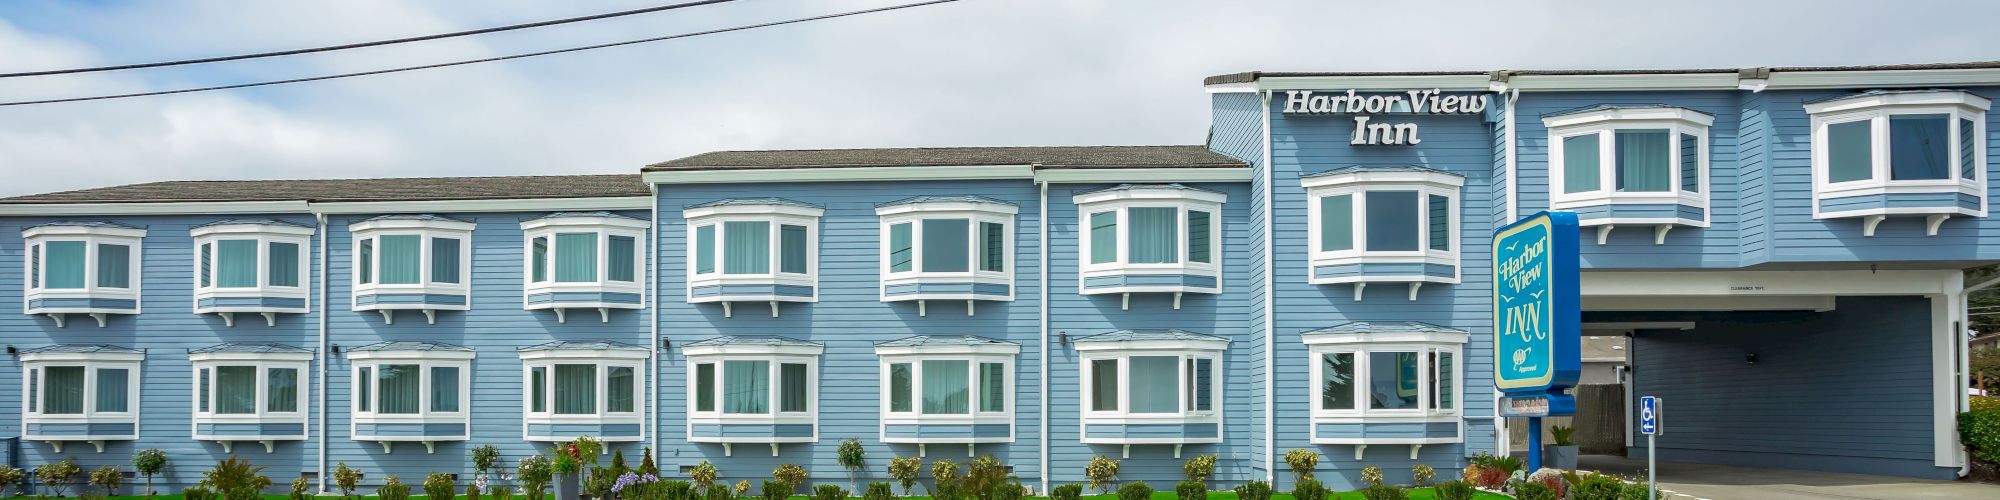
x: 1536, y: 316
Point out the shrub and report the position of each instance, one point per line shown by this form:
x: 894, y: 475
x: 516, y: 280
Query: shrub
x: 742, y: 487
x: 1100, y: 471
x: 1254, y: 490
x: 618, y: 467
x: 1011, y: 490
x: 1454, y: 490
x: 1382, y: 492
x: 107, y: 477
x: 484, y: 457
x: 1637, y: 491
x: 1562, y: 433
x: 10, y: 476
x: 1071, y: 491
x: 853, y: 457
x: 58, y: 476
x: 197, y: 493
x: 346, y: 479
x: 904, y: 470
x: 1422, y: 475
x: 1551, y: 478
x: 944, y: 470
x: 1593, y: 486
x: 148, y: 463
x: 985, y: 478
x: 1199, y: 468
x: 472, y: 492
x: 1979, y: 431
x: 439, y: 486
x: 503, y: 494
x: 879, y: 491
x: 1191, y: 490
x: 1302, y: 462
x: 599, y: 482
x: 676, y: 490
x: 1371, y: 476
x: 646, y: 465
x: 947, y: 489
x: 236, y: 479
x: 829, y: 492
x: 535, y: 472
x: 1534, y: 491
x: 393, y: 489
x: 1136, y: 490
x: 722, y: 493
x: 1309, y: 489
x: 777, y: 490
x: 299, y: 487
x: 792, y: 475
x: 703, y: 475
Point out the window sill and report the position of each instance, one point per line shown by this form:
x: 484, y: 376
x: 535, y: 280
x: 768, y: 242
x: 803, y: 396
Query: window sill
x: 228, y: 428
x: 1170, y: 429
x: 97, y: 303
x: 1362, y: 268
x: 387, y: 299
x: 602, y: 296
x: 948, y: 429
x: 1151, y: 278
x: 1415, y: 430
x: 1662, y: 211
x: 269, y: 301
x: 758, y: 429
x: 611, y: 428
x: 80, y: 427
x: 1875, y: 201
x: 727, y: 289
x: 956, y: 286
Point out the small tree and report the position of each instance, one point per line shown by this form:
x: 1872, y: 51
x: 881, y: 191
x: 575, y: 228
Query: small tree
x: 646, y: 465
x: 58, y: 475
x: 439, y: 486
x: 792, y: 475
x: 1100, y: 471
x: 484, y: 457
x: 346, y: 479
x: 107, y: 477
x: 1303, y: 462
x: 149, y: 462
x: 944, y: 473
x: 299, y: 487
x: 1199, y: 468
x: 535, y: 472
x: 904, y: 470
x: 853, y: 457
x: 704, y: 475
x: 10, y: 476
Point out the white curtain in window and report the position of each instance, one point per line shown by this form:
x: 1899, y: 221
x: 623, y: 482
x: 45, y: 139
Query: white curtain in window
x: 618, y: 389
x: 576, y: 389
x: 746, y: 386
x: 1103, y: 237
x: 236, y: 390
x: 1154, y: 235
x: 114, y: 266
x: 1104, y: 385
x: 236, y: 263
x: 1645, y: 161
x: 576, y: 257
x: 65, y: 390
x: 792, y: 387
x: 704, y: 249
x: 112, y: 387
x: 1155, y: 384
x: 746, y: 247
x: 621, y: 258
x: 402, y: 262
x: 65, y: 264
x: 444, y: 260
x: 400, y: 388
x: 1580, y: 163
x: 444, y: 388
x: 899, y: 387
x: 992, y: 387
x: 284, y: 264
x: 792, y: 249
x: 946, y: 390
x: 281, y: 390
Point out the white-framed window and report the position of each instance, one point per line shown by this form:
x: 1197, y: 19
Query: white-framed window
x: 946, y: 241
x: 752, y: 380
x: 1642, y: 155
x: 1899, y: 143
x: 251, y: 266
x: 947, y: 380
x: 1400, y: 373
x: 1395, y: 216
x: 600, y: 255
x: 582, y: 383
x: 1150, y: 229
x: 400, y: 387
x: 82, y: 267
x: 240, y: 388
x: 67, y: 388
x: 425, y: 253
x: 1134, y: 377
x: 752, y: 242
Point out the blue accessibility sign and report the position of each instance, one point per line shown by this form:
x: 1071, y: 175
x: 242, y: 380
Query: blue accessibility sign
x: 1649, y: 415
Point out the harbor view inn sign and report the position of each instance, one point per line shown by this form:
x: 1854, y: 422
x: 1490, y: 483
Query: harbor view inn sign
x: 1365, y: 106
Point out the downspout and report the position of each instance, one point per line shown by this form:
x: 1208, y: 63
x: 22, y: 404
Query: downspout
x: 1961, y: 360
x: 653, y: 325
x: 324, y: 352
x: 1270, y: 310
x: 1042, y: 244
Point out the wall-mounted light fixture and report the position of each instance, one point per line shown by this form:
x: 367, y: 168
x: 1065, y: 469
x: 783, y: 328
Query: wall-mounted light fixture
x: 335, y: 348
x: 666, y: 343
x: 11, y: 350
x: 1063, y: 337
x: 1750, y: 358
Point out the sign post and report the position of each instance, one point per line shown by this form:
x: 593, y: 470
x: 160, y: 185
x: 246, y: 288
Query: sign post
x: 1651, y: 425
x: 1537, y: 323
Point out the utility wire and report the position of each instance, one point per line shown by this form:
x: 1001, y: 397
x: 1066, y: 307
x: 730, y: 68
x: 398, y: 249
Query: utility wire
x: 489, y: 59
x: 438, y: 36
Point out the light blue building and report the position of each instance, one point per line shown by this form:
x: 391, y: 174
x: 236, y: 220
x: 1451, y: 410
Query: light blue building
x: 1783, y: 245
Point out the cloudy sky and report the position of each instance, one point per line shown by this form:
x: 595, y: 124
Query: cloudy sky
x: 972, y: 73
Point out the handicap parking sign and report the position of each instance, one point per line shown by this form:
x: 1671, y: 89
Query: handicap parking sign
x: 1649, y: 415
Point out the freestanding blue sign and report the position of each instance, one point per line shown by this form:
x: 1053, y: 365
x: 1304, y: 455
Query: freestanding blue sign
x: 1537, y: 323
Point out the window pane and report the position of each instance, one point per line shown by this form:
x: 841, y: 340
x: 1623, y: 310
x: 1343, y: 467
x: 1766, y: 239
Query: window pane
x: 1440, y: 222
x: 1443, y: 394
x: 1644, y: 161
x: 945, y: 242
x: 900, y: 249
x: 618, y: 387
x: 992, y: 246
x: 1850, y: 151
x: 284, y: 264
x: 704, y: 387
x: 538, y: 378
x: 236, y: 390
x: 621, y: 262
x: 1580, y: 163
x: 235, y: 263
x: 576, y: 257
x: 367, y: 265
x: 1103, y: 237
x: 1154, y: 236
x: 1336, y: 223
x: 65, y: 390
x: 35, y: 390
x: 114, y: 266
x: 35, y: 266
x: 401, y: 254
x: 1690, y: 163
x: 899, y: 387
x: 206, y: 264
x: 444, y: 260
x: 113, y: 385
x: 945, y: 387
x: 576, y: 389
x: 364, y: 381
x: 1967, y: 150
x: 792, y: 246
x: 1392, y: 380
x: 65, y: 264
x: 538, y: 259
x: 399, y: 388
x: 1198, y: 238
x: 1155, y: 383
x: 1392, y: 220
x: 992, y: 387
x: 704, y: 249
x: 1104, y: 385
x: 1336, y: 381
x: 444, y: 388
x: 746, y: 247
x: 281, y: 389
x: 1204, y: 384
x: 1919, y: 147
x: 792, y: 387
x: 746, y: 386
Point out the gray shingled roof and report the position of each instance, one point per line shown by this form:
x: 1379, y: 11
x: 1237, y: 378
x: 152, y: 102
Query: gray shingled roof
x: 1130, y: 335
x: 752, y: 201
x: 248, y: 347
x: 423, y: 217
x: 1601, y: 107
x: 931, y: 340
x: 1044, y: 157
x: 410, y: 345
x: 80, y: 348
x: 85, y: 223
x: 348, y: 190
x: 1129, y: 187
x: 1354, y: 327
x: 771, y: 340
x: 935, y: 199
x: 599, y: 213
x: 266, y: 222
x: 582, y: 345
x: 1378, y: 168
x: 1251, y: 76
x: 1876, y: 92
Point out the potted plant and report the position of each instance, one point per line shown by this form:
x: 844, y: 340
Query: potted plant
x: 1562, y: 454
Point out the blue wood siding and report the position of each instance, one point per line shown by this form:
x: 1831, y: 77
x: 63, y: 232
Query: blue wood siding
x: 1237, y: 130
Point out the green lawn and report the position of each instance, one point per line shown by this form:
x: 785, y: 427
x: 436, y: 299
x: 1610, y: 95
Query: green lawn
x: 1415, y: 494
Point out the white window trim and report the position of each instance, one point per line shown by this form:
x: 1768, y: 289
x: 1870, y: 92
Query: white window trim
x: 129, y: 361
x: 1361, y: 345
x: 604, y: 228
x: 604, y: 359
x: 264, y: 235
x: 776, y: 356
x: 1358, y: 184
x: 426, y: 231
x: 974, y: 356
x: 36, y: 239
x: 1878, y: 109
x: 1123, y: 352
x: 264, y: 362
x: 975, y: 213
x: 1121, y: 202
x: 425, y: 360
x: 1605, y: 124
x: 777, y: 215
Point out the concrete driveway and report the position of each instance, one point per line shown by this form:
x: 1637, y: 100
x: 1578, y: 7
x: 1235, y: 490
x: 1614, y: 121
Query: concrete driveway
x: 1687, y: 481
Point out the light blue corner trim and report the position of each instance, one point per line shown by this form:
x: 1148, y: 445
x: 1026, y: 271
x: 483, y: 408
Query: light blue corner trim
x: 439, y: 299
x: 752, y: 430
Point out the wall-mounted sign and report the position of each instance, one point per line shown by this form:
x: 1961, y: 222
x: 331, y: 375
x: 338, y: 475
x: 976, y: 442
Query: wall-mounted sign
x: 1537, y: 325
x: 1365, y: 106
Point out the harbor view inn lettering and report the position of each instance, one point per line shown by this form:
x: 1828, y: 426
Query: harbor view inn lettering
x: 1525, y: 318
x: 1432, y: 102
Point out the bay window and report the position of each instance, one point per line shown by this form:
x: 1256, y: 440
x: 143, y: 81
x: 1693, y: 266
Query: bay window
x: 753, y: 389
x: 947, y: 248
x: 1146, y: 377
x: 583, y: 388
x: 1392, y: 224
x: 73, y: 392
x: 250, y: 392
x: 592, y: 260
x: 410, y: 391
x: 958, y: 387
x: 1884, y: 153
x: 412, y: 262
x: 1150, y: 238
x: 82, y: 268
x: 1630, y: 165
x: 250, y: 266
x: 1386, y: 373
x: 753, y: 250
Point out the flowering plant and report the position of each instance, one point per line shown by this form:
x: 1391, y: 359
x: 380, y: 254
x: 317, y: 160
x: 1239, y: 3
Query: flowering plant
x: 628, y: 479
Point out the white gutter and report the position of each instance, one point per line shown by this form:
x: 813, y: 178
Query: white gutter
x: 1043, y: 263
x: 324, y: 351
x: 1513, y: 170
x: 1270, y: 313
x: 653, y: 326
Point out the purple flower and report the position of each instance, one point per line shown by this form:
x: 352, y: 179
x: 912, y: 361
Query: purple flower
x: 626, y: 479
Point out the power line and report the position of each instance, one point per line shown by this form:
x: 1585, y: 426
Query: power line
x: 489, y: 59
x: 438, y: 36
